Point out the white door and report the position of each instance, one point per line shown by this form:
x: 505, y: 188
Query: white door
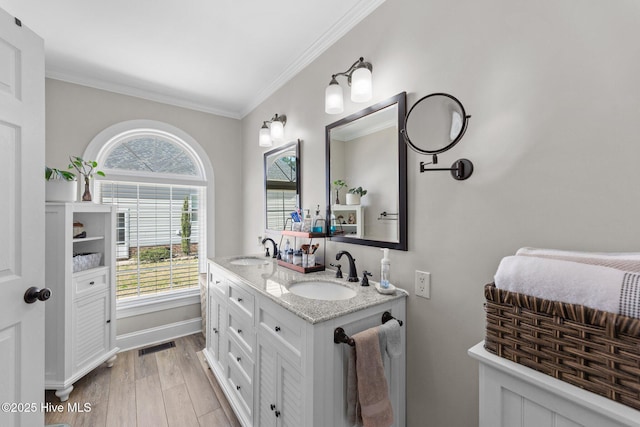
x: 21, y: 223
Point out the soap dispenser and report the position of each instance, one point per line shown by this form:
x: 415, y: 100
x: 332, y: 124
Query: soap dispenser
x: 318, y: 222
x: 306, y: 224
x: 385, y: 267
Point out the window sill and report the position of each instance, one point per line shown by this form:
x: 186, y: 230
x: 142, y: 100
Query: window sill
x: 136, y: 306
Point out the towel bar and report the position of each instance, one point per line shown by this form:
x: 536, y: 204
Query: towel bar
x: 341, y: 337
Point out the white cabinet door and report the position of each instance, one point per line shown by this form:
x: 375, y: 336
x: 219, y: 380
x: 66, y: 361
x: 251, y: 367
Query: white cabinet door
x: 91, y: 323
x: 215, y: 315
x: 280, y: 393
x: 21, y: 219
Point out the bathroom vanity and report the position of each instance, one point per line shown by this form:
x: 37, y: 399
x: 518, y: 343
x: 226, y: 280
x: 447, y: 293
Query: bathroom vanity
x: 273, y: 351
x: 512, y: 395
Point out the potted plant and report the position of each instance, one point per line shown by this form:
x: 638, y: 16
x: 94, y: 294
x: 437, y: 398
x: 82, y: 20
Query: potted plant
x: 337, y: 185
x: 61, y: 185
x: 86, y: 169
x: 354, y: 195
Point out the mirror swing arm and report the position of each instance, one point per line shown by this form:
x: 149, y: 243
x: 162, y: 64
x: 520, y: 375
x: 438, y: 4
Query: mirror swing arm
x: 461, y: 169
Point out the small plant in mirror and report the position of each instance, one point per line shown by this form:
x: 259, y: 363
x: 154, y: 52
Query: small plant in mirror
x: 86, y: 169
x: 53, y: 174
x: 359, y: 191
x: 337, y: 185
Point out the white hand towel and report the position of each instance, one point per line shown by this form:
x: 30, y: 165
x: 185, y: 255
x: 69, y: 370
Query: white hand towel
x: 390, y: 338
x: 629, y: 261
x: 593, y: 286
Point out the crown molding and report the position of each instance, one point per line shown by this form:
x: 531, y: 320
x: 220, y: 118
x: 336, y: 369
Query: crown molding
x: 357, y: 13
x: 138, y: 93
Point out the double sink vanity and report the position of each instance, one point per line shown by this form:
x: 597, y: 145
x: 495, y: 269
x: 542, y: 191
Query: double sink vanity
x: 270, y: 341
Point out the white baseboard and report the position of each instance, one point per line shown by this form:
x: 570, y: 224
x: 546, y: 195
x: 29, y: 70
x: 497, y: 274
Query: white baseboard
x: 147, y: 337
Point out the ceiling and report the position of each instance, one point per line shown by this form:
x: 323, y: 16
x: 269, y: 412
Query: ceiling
x: 220, y: 56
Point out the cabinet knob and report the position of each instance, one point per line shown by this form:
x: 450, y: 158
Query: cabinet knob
x: 239, y: 299
x: 215, y: 330
x: 239, y: 331
x: 273, y: 406
x: 109, y: 321
x: 277, y: 328
x: 237, y: 387
x: 92, y: 282
x: 238, y: 359
x: 277, y: 414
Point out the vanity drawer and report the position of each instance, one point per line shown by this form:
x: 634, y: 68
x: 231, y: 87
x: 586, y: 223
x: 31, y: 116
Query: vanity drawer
x: 242, y: 299
x: 241, y: 386
x: 286, y: 328
x: 237, y: 355
x: 242, y: 329
x: 217, y: 282
x: 95, y: 280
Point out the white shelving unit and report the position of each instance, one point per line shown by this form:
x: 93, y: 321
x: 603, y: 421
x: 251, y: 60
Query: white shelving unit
x: 512, y: 395
x: 356, y: 228
x: 80, y: 316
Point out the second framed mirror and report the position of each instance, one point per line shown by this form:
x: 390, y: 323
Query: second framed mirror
x: 366, y: 180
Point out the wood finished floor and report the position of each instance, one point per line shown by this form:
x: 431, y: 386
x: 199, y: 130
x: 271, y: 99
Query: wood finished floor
x: 171, y: 387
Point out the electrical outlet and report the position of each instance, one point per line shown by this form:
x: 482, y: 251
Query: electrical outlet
x: 423, y: 284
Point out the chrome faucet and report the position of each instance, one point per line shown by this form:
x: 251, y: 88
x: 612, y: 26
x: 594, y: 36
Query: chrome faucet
x: 275, y: 247
x: 353, y: 273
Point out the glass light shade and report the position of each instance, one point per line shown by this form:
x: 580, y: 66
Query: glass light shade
x: 277, y: 131
x: 361, y: 85
x: 265, y: 137
x: 333, y: 100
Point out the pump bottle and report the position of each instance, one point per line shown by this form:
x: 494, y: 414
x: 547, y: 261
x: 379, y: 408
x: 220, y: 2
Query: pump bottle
x: 385, y: 267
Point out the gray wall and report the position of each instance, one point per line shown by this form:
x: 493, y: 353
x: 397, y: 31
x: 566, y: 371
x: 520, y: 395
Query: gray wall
x: 553, y: 89
x: 75, y: 114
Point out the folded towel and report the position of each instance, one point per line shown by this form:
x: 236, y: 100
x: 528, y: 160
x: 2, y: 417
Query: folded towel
x: 390, y: 338
x: 602, y: 288
x: 629, y: 261
x: 373, y: 392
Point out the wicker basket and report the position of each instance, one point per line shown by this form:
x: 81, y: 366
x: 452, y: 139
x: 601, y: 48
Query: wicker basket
x: 595, y: 350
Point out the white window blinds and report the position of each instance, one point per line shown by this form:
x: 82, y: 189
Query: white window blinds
x: 157, y: 236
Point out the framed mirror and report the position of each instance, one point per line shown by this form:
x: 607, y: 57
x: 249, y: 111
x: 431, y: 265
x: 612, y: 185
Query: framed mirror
x: 281, y: 184
x: 366, y: 154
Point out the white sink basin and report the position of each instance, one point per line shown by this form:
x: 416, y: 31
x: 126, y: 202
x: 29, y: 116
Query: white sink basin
x: 320, y: 289
x: 249, y: 261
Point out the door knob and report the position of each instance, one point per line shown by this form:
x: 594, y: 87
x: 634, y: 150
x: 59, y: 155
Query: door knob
x: 33, y: 294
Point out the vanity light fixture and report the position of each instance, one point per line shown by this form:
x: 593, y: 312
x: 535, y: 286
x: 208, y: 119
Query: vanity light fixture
x: 272, y: 130
x: 359, y: 78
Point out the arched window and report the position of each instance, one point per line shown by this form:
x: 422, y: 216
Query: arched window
x: 158, y: 181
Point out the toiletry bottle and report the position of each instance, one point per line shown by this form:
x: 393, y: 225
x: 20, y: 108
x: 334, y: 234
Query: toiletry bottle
x: 306, y: 225
x: 318, y: 222
x: 286, y: 251
x: 385, y: 267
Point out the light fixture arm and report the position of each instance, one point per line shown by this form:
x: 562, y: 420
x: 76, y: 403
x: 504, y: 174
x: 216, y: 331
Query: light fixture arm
x: 277, y: 118
x: 360, y: 63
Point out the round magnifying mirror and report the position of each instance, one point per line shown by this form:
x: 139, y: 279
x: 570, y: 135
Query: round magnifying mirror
x: 435, y: 123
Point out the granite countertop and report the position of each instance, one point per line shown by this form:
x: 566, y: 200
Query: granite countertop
x: 273, y: 281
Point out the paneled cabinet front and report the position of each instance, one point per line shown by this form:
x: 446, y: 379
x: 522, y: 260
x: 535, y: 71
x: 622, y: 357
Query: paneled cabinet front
x: 80, y: 270
x: 277, y: 369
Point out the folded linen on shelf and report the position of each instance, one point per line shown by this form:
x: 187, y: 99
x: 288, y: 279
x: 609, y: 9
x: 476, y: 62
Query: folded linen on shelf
x: 594, y: 286
x: 625, y: 261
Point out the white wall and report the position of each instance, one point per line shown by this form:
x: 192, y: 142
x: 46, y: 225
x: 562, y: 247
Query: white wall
x: 553, y: 88
x: 75, y: 114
